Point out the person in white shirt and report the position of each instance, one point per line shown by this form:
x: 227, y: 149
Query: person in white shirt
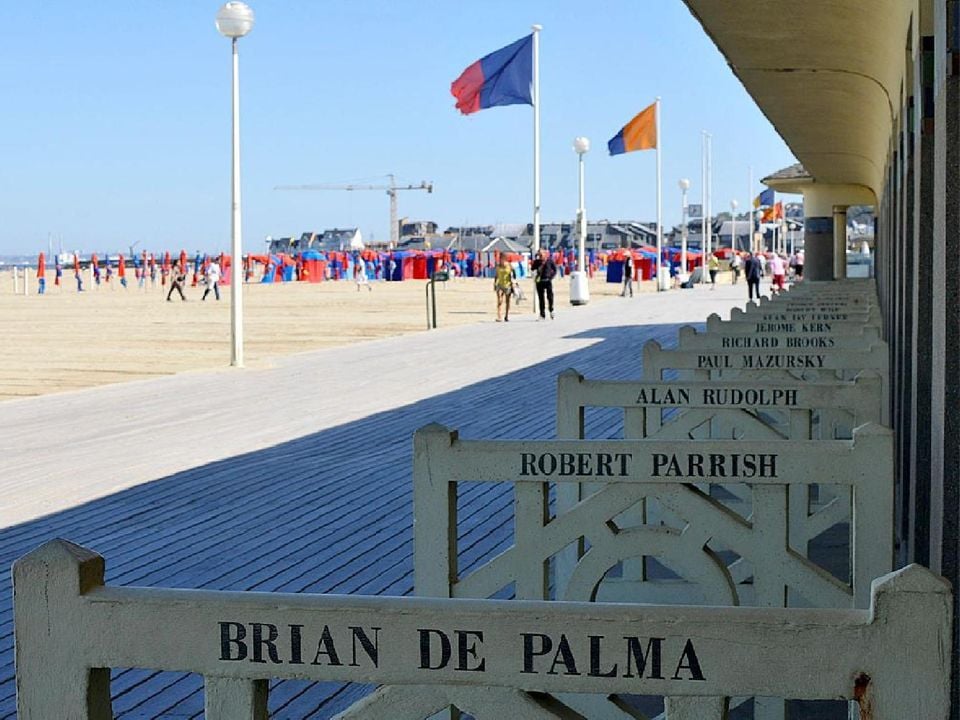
x: 213, y: 280
x: 735, y: 265
x: 779, y: 273
x: 360, y: 273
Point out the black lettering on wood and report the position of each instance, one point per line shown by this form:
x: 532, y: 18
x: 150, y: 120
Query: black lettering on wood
x: 426, y: 649
x: 529, y: 652
x: 371, y: 648
x: 636, y: 655
x: 232, y: 634
x: 595, y: 647
x: 296, y: 644
x: 563, y: 656
x: 528, y: 464
x: 325, y: 646
x: 689, y: 662
x: 270, y: 643
x: 465, y: 651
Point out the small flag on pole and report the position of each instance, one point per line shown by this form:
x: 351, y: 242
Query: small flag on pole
x: 764, y: 199
x: 504, y: 77
x: 638, y: 134
x: 772, y: 213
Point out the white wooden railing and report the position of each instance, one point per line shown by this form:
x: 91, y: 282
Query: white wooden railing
x: 493, y: 659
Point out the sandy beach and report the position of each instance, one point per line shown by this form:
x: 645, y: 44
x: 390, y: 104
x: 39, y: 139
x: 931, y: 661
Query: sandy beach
x: 65, y: 340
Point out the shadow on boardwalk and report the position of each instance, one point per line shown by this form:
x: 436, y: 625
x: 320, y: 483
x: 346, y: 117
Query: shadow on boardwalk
x: 326, y: 513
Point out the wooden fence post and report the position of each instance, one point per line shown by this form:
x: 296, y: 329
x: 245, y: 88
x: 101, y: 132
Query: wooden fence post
x: 53, y: 680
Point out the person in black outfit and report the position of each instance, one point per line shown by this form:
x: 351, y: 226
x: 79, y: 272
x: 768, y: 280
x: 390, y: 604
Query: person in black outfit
x: 544, y: 269
x: 753, y: 270
x: 179, y: 277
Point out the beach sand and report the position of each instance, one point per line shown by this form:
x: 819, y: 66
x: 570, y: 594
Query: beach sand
x: 65, y: 340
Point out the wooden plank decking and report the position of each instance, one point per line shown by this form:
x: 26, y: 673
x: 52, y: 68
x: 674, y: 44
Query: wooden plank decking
x: 295, y: 478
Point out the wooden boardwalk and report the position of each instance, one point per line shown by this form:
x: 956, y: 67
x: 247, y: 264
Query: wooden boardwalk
x: 296, y: 478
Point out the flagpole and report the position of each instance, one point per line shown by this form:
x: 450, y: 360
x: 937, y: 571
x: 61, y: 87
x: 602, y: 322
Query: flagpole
x: 709, y: 207
x: 659, y: 203
x: 704, y: 242
x: 751, y: 243
x: 536, y: 138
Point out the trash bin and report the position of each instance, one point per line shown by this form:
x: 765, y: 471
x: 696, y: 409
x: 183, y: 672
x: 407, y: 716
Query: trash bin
x: 663, y: 277
x: 579, y: 290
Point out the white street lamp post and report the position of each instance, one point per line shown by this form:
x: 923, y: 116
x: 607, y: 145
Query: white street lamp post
x: 684, y: 186
x: 733, y: 225
x: 234, y: 20
x: 582, y: 146
x: 579, y: 289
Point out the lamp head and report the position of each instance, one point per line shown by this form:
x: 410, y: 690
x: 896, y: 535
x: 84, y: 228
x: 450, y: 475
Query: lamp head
x: 581, y: 145
x: 734, y: 204
x: 684, y: 184
x: 234, y: 19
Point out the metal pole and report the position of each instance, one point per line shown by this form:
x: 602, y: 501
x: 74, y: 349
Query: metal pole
x: 704, y: 243
x: 659, y: 202
x: 236, y: 279
x: 394, y: 225
x: 750, y: 242
x: 709, y: 192
x: 536, y: 138
x: 582, y: 217
x: 683, y: 232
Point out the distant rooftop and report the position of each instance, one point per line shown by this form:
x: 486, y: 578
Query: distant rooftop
x: 794, y: 172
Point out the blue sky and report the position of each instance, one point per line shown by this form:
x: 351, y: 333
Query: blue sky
x: 116, y: 127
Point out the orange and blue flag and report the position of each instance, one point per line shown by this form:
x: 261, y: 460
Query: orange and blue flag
x: 638, y: 134
x: 504, y: 77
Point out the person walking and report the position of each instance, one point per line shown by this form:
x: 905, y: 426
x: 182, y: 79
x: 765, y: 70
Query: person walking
x: 503, y: 287
x: 212, y: 275
x: 76, y: 272
x: 713, y: 265
x: 178, y: 277
x: 545, y: 270
x: 41, y: 274
x: 779, y: 273
x: 753, y: 270
x: 798, y: 265
x: 736, y: 264
x: 627, y: 274
x: 360, y: 274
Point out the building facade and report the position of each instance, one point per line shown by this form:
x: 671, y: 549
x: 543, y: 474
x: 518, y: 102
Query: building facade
x: 867, y: 95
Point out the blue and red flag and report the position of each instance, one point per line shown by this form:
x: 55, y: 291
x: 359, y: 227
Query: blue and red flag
x: 504, y: 77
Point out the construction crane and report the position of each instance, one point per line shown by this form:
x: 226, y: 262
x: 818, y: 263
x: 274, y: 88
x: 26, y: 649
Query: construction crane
x: 392, y: 189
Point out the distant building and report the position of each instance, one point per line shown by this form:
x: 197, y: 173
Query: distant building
x: 336, y: 239
x: 601, y: 235
x: 725, y: 237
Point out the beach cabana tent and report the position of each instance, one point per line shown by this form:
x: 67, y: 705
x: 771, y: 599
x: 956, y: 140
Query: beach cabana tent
x: 314, y: 266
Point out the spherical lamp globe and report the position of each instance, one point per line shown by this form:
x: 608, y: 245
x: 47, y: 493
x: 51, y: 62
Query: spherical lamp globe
x: 581, y: 145
x: 234, y: 19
